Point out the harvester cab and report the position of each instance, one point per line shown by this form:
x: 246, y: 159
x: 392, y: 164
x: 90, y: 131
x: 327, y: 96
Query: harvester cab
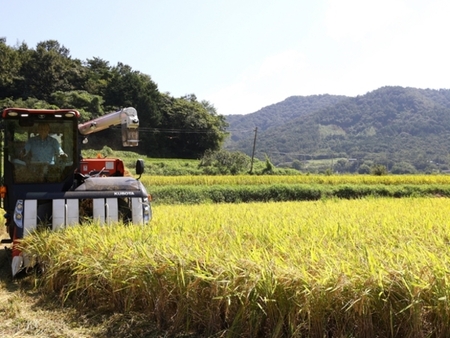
x: 47, y: 184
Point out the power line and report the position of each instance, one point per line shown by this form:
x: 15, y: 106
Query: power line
x: 179, y: 130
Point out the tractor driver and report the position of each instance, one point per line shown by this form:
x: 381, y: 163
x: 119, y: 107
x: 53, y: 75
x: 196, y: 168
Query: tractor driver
x: 43, y: 148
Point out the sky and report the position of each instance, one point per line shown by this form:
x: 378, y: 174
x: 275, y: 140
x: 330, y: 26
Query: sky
x: 243, y: 55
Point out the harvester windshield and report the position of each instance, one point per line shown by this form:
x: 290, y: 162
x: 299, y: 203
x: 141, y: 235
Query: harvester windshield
x: 40, y: 151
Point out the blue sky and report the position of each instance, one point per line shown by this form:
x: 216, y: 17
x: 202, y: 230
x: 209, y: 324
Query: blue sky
x: 242, y: 55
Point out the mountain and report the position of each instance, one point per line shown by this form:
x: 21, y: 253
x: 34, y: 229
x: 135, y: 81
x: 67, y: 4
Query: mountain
x: 405, y: 129
x: 279, y: 114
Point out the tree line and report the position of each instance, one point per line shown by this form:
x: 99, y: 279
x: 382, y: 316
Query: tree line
x: 48, y: 77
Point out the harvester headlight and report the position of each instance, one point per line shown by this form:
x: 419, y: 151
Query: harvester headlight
x: 146, y: 210
x: 18, y: 213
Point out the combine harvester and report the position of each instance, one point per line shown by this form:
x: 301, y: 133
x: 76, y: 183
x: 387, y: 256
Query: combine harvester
x: 62, y: 189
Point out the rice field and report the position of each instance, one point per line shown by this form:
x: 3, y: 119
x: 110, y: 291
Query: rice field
x: 342, y: 268
x: 150, y: 180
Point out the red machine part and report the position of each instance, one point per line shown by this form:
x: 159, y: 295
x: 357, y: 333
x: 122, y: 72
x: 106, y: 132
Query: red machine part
x: 102, y: 166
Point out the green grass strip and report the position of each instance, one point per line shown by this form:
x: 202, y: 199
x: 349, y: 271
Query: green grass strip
x: 195, y: 194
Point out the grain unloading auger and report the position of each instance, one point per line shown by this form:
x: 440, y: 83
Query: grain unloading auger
x: 58, y: 188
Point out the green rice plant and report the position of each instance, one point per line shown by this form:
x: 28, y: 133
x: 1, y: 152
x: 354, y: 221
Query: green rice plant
x: 197, y: 194
x: 347, y: 268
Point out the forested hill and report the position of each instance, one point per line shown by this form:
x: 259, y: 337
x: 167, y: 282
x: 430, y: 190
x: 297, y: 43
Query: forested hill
x: 48, y: 77
x: 405, y: 129
x: 278, y: 114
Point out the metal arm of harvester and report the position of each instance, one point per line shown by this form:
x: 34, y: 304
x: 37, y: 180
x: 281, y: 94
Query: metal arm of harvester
x: 127, y: 117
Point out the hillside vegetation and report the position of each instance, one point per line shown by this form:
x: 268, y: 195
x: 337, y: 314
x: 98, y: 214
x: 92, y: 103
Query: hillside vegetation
x: 47, y: 77
x: 405, y: 129
x: 275, y: 115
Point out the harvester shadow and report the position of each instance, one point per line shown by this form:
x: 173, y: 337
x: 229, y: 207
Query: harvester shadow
x: 108, y: 324
x: 5, y: 270
x: 103, y: 324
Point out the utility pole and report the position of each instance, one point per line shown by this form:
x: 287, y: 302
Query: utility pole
x: 253, y: 152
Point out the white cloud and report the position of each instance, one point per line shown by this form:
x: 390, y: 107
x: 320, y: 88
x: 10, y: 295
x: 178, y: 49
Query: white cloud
x: 373, y: 44
x: 272, y: 80
x: 276, y: 78
x: 358, y: 19
x: 412, y: 52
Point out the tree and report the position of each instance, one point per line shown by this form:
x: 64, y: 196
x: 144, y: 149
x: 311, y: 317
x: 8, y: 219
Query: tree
x: 126, y: 88
x: 98, y: 76
x: 89, y: 105
x: 403, y: 168
x: 132, y: 88
x: 47, y: 77
x: 49, y: 69
x: 190, y: 127
x: 29, y: 102
x: 224, y: 162
x: 364, y: 169
x: 9, y: 69
x: 378, y: 170
x: 269, y: 166
x: 297, y: 165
